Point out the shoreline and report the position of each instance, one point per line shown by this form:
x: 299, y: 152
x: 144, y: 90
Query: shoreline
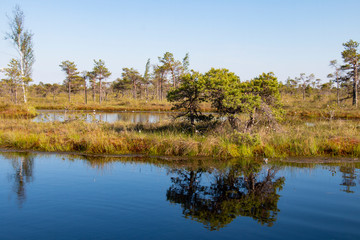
x: 295, y: 160
x: 329, y: 139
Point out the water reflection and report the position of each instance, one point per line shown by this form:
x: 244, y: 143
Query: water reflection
x: 23, y: 166
x: 348, y: 171
x: 348, y: 178
x: 211, y: 192
x: 241, y: 190
x: 130, y: 117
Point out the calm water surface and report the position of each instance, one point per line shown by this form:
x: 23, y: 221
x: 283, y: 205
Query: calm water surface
x: 44, y: 196
x: 126, y: 116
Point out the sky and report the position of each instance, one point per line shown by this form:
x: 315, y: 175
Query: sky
x: 286, y: 37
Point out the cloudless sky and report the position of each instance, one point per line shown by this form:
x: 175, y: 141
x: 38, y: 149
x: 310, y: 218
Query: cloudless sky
x: 286, y: 37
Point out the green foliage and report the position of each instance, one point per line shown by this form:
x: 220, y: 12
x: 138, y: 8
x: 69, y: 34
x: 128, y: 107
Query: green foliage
x: 227, y: 95
x: 221, y: 88
x: 352, y: 57
x: 188, y: 96
x: 350, y: 54
x: 132, y: 77
x: 230, y: 97
x: 147, y: 73
x: 70, y: 70
x: 186, y: 63
x: 13, y: 78
x: 266, y: 86
x: 100, y: 72
x: 22, y: 40
x: 73, y: 80
x: 120, y: 85
x: 12, y: 72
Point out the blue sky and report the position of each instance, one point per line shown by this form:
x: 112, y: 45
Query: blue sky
x: 287, y: 37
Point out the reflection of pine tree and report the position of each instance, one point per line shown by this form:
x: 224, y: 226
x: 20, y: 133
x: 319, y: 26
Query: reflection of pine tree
x: 348, y: 178
x: 23, y: 165
x: 239, y: 191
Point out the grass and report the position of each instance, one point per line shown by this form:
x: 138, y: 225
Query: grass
x: 17, y: 111
x: 111, y: 104
x: 320, y: 107
x: 314, y: 106
x: 325, y: 138
x: 320, y: 136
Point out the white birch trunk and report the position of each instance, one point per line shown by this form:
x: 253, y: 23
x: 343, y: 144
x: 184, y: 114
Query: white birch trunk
x: 21, y: 69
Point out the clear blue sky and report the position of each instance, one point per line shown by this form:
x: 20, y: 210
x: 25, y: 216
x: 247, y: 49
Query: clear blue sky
x: 287, y: 37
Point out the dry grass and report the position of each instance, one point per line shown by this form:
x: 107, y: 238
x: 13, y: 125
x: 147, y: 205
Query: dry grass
x: 324, y: 138
x: 293, y: 137
x: 112, y: 104
x: 17, y: 111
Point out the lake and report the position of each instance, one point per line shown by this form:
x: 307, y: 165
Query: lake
x: 53, y: 196
x: 88, y: 116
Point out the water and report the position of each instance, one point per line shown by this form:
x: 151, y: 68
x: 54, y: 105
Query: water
x: 47, y: 196
x: 125, y: 116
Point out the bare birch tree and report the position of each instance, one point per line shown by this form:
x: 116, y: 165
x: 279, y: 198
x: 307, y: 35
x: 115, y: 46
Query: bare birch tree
x: 22, y: 40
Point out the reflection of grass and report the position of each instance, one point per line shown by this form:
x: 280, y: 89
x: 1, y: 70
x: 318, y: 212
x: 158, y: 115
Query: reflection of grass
x: 326, y: 138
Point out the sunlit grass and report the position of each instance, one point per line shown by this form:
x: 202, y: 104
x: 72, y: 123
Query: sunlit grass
x: 324, y: 138
x: 17, y: 111
x: 310, y: 128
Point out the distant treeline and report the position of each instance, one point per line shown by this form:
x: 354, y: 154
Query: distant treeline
x: 157, y: 80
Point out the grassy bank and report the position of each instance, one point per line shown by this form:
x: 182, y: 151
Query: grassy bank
x: 294, y: 106
x: 112, y: 104
x: 293, y: 138
x: 320, y: 107
x: 324, y: 113
x: 17, y: 111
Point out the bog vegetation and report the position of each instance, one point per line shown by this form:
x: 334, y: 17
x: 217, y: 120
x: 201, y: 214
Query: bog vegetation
x: 217, y: 114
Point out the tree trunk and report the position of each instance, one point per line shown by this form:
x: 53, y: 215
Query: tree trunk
x: 355, y: 85
x: 161, y: 85
x: 69, y: 90
x: 93, y: 90
x: 173, y: 76
x: 251, y: 121
x: 100, y: 90
x: 304, y: 92
x: 140, y: 92
x: 24, y: 91
x: 134, y: 89
x: 85, y: 91
x: 15, y: 95
x: 161, y: 89
x: 157, y: 89
x: 337, y: 89
x: 22, y: 75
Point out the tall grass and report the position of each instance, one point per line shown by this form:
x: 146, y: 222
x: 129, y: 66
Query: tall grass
x: 111, y: 104
x: 17, y: 111
x: 324, y: 138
